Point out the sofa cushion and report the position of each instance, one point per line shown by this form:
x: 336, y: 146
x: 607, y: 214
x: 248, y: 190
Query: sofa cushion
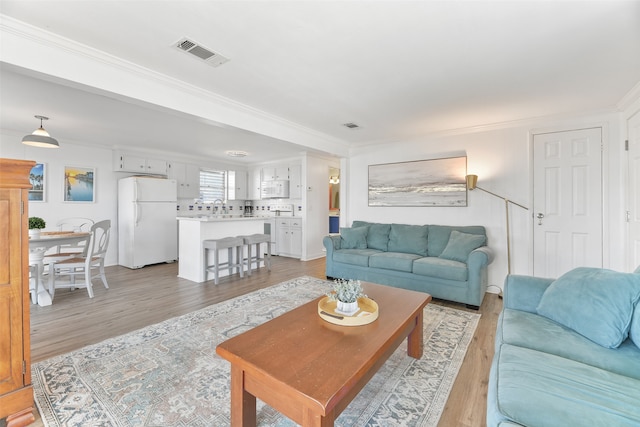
x: 354, y: 256
x: 393, y: 261
x: 378, y: 236
x: 533, y: 331
x: 410, y: 239
x: 441, y: 268
x: 439, y: 236
x: 460, y: 245
x: 353, y: 238
x: 540, y: 389
x: 596, y: 303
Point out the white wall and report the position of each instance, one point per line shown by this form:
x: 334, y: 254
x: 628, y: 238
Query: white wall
x: 316, y: 199
x: 69, y: 154
x: 501, y: 157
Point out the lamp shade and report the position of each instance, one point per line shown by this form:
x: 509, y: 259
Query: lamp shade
x: 40, y: 137
x: 472, y: 181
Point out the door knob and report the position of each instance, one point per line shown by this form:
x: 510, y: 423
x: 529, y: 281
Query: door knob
x: 540, y: 216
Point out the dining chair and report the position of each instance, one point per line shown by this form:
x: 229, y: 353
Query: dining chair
x: 89, y: 265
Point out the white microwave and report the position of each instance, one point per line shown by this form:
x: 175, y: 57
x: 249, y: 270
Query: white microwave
x: 274, y: 189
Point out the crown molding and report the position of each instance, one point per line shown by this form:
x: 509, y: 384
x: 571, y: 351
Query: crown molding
x: 52, y: 41
x: 630, y: 98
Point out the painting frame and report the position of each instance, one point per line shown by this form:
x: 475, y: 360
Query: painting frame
x: 38, y: 180
x: 79, y: 184
x: 437, y: 182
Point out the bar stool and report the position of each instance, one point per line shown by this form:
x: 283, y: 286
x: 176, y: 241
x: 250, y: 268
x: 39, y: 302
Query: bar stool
x: 229, y: 243
x: 257, y: 239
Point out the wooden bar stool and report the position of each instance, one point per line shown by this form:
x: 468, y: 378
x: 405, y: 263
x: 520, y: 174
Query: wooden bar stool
x: 229, y: 243
x: 257, y: 240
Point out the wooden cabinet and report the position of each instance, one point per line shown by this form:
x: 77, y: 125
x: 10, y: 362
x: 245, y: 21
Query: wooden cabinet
x: 16, y: 392
x: 137, y: 164
x: 187, y: 177
x: 289, y: 237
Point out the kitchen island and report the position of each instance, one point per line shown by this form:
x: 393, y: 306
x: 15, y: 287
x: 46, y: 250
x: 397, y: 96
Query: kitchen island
x: 193, y: 230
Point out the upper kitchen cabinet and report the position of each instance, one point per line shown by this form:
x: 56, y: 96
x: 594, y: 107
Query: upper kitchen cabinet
x: 275, y: 173
x: 253, y: 184
x: 295, y: 182
x: 238, y: 185
x: 138, y: 164
x: 187, y: 177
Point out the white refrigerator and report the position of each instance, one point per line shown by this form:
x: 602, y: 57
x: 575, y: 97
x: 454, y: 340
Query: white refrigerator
x: 147, y: 230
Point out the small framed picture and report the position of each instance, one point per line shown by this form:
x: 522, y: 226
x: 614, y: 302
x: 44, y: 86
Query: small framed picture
x: 38, y: 182
x: 79, y: 184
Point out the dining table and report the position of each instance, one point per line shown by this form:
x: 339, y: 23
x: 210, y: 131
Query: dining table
x: 38, y: 246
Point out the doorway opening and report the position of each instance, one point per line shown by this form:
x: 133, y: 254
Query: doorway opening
x: 334, y: 200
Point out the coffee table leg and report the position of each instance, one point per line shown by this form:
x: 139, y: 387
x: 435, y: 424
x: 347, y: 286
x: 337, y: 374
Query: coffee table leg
x: 414, y: 341
x: 243, y: 404
x: 311, y: 419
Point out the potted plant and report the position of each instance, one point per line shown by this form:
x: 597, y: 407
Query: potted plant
x: 346, y: 293
x: 35, y: 225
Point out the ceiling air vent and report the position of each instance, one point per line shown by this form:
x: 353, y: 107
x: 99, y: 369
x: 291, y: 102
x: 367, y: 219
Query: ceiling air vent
x: 207, y: 55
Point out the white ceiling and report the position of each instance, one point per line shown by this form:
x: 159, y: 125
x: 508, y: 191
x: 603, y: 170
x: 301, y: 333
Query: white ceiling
x: 399, y: 69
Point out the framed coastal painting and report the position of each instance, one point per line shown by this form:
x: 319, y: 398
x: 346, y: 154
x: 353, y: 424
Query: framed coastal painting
x: 437, y: 182
x: 79, y: 184
x: 38, y: 182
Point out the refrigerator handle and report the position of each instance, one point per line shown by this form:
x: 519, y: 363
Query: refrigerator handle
x: 136, y: 213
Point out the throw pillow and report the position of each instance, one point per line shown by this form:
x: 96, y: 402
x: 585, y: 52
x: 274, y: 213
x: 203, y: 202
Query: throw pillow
x: 460, y: 245
x: 378, y: 236
x: 353, y: 238
x: 594, y: 302
x: 634, y: 330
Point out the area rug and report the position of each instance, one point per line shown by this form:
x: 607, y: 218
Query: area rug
x: 169, y: 374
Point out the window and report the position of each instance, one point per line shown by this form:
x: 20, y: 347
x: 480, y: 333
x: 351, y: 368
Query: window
x: 213, y: 185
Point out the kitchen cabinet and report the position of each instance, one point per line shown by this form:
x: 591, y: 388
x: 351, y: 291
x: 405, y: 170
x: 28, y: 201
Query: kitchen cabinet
x: 136, y: 164
x: 254, y: 181
x: 275, y: 173
x: 295, y: 182
x: 289, y: 237
x: 239, y: 181
x: 16, y: 391
x: 187, y: 177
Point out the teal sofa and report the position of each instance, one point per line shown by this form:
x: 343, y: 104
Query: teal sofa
x: 448, y: 262
x: 567, y: 351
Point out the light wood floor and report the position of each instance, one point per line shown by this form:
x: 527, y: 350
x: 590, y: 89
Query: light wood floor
x: 137, y: 298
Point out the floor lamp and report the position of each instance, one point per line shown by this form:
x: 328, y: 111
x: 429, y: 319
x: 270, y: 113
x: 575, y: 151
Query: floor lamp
x: 472, y: 180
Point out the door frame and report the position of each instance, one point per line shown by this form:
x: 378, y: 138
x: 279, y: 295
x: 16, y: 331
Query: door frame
x: 627, y: 192
x: 605, y: 128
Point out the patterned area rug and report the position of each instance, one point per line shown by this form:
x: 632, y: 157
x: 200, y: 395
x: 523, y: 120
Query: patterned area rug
x: 168, y: 374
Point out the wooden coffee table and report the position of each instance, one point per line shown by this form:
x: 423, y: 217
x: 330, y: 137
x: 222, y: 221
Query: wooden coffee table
x: 310, y: 369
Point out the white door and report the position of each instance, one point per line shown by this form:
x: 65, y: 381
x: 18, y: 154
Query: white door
x: 567, y: 201
x: 633, y: 129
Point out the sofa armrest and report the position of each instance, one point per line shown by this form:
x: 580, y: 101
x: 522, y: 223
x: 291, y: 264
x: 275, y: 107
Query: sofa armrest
x: 524, y: 292
x: 481, y: 256
x: 331, y: 243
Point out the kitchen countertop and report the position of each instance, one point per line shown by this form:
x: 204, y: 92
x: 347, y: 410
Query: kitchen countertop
x: 212, y: 218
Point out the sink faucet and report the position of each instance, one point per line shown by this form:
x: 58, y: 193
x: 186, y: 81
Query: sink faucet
x: 215, y: 209
x: 223, y: 209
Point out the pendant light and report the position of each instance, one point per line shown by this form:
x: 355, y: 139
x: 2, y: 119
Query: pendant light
x: 40, y: 137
